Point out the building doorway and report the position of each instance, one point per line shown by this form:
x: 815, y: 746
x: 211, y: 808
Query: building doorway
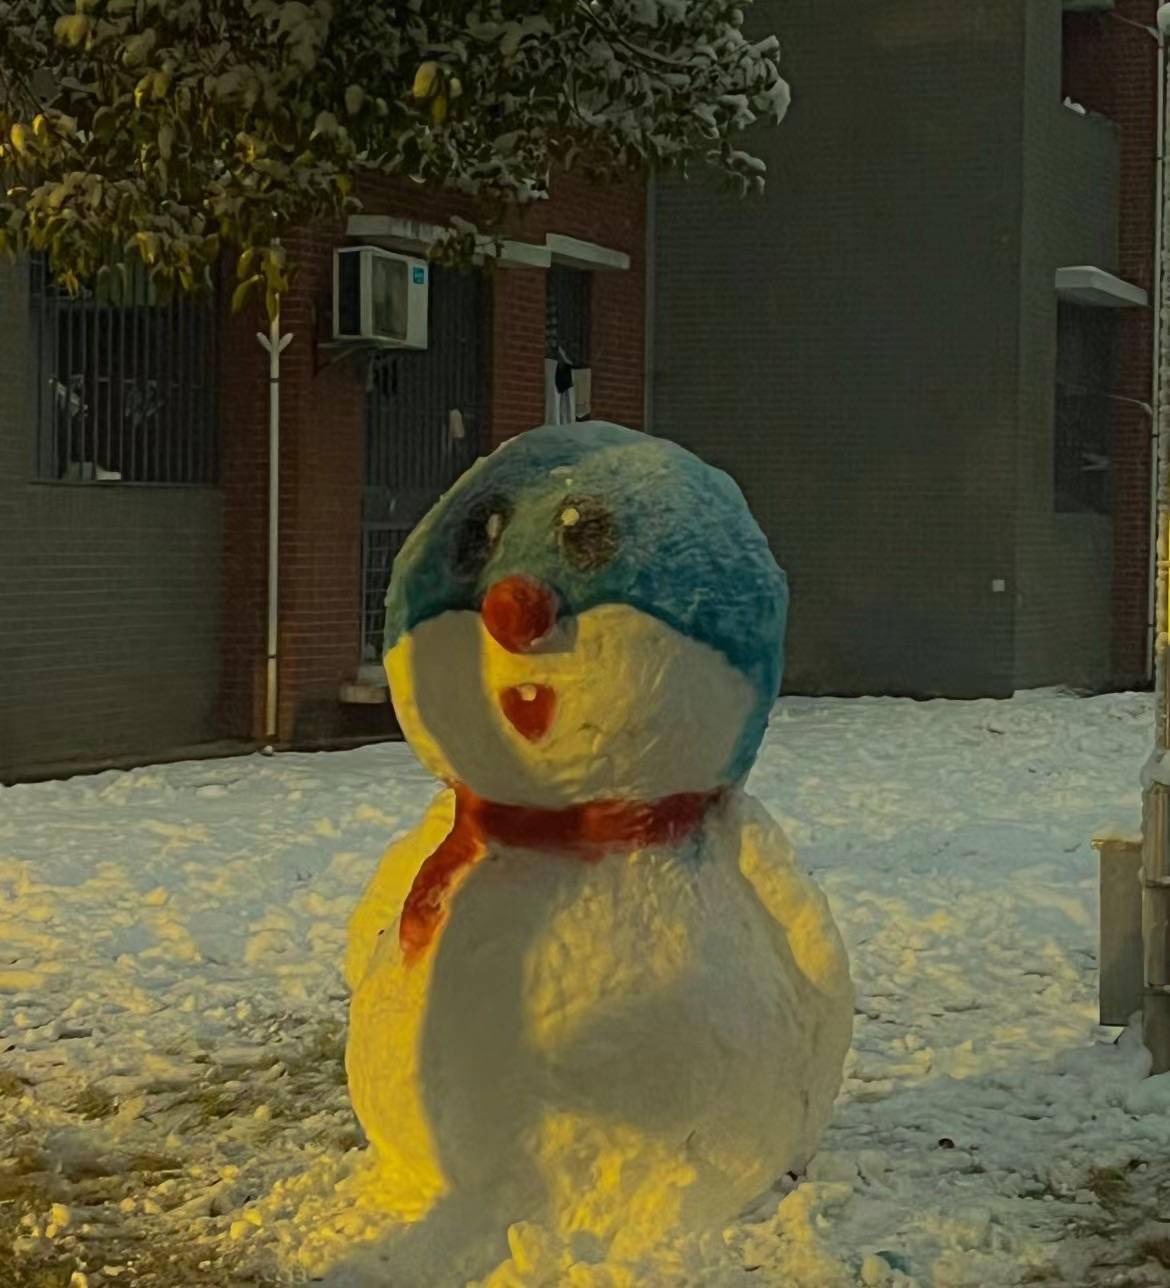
x: 426, y: 422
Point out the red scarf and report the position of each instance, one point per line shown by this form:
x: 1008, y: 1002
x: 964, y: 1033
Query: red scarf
x: 586, y: 831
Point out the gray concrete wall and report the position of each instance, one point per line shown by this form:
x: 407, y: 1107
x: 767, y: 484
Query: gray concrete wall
x: 1063, y: 561
x: 109, y: 596
x: 848, y: 347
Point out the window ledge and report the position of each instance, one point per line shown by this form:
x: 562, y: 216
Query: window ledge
x: 364, y: 695
x: 1086, y: 284
x: 414, y: 238
x: 574, y: 253
x: 411, y: 236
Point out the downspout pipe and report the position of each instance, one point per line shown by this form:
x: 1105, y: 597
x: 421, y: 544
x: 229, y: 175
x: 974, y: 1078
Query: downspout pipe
x: 649, y: 294
x: 275, y: 344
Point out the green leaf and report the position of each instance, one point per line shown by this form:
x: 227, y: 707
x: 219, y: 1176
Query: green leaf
x: 71, y: 29
x: 138, y: 48
x: 241, y: 293
x: 426, y: 80
x: 149, y: 245
x: 326, y: 125
x: 188, y: 117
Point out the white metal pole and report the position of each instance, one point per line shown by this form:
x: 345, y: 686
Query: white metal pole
x: 1156, y: 801
x: 650, y: 289
x: 1156, y: 829
x: 275, y: 344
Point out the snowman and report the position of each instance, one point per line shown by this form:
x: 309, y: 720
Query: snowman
x: 591, y: 988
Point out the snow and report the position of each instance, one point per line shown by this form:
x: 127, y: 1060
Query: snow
x: 614, y: 955
x: 1156, y: 769
x: 173, y: 1106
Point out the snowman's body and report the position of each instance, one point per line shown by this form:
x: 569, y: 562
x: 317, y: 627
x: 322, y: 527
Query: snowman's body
x: 648, y: 1038
x: 592, y: 988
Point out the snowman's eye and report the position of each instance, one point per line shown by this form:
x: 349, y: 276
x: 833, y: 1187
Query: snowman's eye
x: 479, y: 535
x: 588, y: 533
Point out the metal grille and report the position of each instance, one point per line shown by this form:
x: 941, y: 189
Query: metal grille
x: 1082, y: 464
x: 425, y: 424
x: 126, y: 385
x: 568, y: 315
x: 1085, y: 409
x: 380, y: 549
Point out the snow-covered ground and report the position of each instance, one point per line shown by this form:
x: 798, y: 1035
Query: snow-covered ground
x: 172, y: 1097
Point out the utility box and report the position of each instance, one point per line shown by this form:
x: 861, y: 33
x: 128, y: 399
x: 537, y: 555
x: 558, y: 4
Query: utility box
x: 1120, y: 957
x: 380, y: 296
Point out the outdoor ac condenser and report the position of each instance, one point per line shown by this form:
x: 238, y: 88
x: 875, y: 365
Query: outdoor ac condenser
x: 380, y: 296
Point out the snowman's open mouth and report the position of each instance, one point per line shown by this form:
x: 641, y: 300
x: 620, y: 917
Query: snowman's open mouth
x: 529, y: 709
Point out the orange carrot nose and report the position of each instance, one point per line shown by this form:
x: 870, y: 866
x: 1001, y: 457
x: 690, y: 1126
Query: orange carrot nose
x: 519, y: 612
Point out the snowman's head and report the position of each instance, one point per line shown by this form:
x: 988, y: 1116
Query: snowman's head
x: 589, y: 613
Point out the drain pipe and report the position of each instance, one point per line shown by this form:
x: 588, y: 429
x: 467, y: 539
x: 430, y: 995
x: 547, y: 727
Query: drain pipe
x: 275, y: 344
x: 649, y: 293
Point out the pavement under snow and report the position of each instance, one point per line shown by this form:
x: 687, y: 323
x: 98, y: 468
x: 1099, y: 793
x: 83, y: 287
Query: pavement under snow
x: 172, y: 1098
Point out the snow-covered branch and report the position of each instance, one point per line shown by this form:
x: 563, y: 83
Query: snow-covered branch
x: 173, y: 128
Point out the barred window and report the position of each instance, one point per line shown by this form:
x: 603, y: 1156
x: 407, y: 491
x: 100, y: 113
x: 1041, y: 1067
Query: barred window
x: 426, y: 422
x: 125, y: 379
x: 568, y: 315
x: 1086, y: 365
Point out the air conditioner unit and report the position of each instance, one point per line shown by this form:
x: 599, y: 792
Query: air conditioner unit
x: 380, y: 296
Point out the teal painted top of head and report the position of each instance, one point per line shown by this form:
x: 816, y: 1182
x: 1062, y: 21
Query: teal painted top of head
x: 653, y: 527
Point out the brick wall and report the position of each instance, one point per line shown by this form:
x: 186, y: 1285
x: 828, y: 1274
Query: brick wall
x: 1062, y: 561
x: 322, y: 455
x: 517, y: 352
x: 243, y: 474
x: 607, y: 216
x: 1111, y: 67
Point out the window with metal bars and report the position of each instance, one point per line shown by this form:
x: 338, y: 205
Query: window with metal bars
x: 426, y: 415
x: 1085, y: 409
x: 125, y: 381
x: 568, y: 319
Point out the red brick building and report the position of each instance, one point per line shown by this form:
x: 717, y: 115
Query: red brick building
x: 134, y: 489
x: 334, y: 557
x: 1110, y: 66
